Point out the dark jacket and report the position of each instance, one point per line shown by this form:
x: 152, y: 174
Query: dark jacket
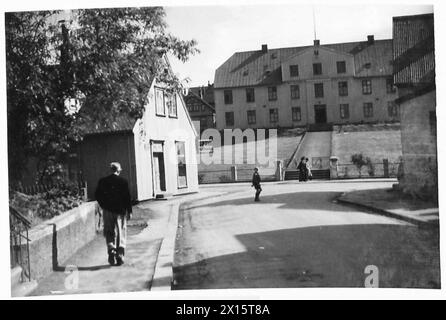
x: 112, y: 194
x: 256, y: 180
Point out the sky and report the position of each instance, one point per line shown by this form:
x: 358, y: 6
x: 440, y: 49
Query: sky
x: 223, y: 30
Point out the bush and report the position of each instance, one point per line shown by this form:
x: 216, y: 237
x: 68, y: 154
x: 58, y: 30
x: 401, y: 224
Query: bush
x: 49, y: 204
x: 225, y: 179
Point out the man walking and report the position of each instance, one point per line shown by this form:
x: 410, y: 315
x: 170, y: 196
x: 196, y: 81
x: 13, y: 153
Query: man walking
x: 113, y: 195
x: 256, y: 183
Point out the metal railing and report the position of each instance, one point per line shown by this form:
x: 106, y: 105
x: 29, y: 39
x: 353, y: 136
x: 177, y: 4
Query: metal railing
x: 40, y: 188
x: 19, y: 226
x: 375, y: 170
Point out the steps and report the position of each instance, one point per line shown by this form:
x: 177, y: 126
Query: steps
x: 317, y: 174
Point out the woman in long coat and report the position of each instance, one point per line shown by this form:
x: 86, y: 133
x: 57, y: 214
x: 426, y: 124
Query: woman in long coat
x: 303, y: 171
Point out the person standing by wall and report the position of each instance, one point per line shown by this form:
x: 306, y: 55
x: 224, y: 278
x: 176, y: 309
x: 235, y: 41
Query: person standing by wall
x: 308, y: 167
x: 302, y: 168
x: 113, y: 195
x: 256, y: 183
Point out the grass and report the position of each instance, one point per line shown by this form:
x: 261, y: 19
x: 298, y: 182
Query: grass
x: 377, y: 142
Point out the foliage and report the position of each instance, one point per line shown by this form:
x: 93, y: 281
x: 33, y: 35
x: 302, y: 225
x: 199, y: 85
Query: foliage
x: 224, y: 178
x: 103, y: 58
x: 360, y: 161
x: 48, y: 204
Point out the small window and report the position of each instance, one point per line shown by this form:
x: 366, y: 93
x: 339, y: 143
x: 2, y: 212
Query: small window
x: 273, y: 55
x: 368, y: 110
x: 340, y: 66
x: 159, y: 102
x: 228, y: 96
x: 251, y: 117
x: 294, y: 70
x: 344, y: 111
x: 250, y: 97
x: 295, y: 92
x: 272, y: 93
x: 171, y: 103
x: 317, y: 69
x: 390, y: 87
x: 367, y: 86
x: 296, y: 114
x: 343, y: 88
x: 368, y: 65
x: 229, y: 118
x: 245, y: 73
x: 393, y: 109
x: 273, y: 115
x: 319, y: 90
x: 181, y: 160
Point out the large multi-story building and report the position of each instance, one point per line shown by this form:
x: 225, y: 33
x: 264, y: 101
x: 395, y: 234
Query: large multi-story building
x: 289, y: 87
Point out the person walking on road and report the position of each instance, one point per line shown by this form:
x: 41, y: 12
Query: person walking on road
x: 113, y: 195
x: 256, y: 183
x: 303, y: 170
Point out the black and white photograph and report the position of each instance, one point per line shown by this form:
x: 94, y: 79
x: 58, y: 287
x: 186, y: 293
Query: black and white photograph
x: 173, y: 148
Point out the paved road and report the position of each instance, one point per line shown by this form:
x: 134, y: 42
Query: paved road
x: 297, y: 236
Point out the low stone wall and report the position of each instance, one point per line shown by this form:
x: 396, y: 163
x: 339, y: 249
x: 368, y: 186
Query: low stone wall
x: 57, y: 239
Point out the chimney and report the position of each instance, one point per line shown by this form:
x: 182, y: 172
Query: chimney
x: 370, y: 39
x: 316, y: 43
x: 264, y: 48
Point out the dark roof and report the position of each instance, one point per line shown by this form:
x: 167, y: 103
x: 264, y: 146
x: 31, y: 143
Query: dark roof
x: 121, y: 123
x: 413, y: 50
x: 206, y: 93
x: 192, y: 96
x: 252, y: 68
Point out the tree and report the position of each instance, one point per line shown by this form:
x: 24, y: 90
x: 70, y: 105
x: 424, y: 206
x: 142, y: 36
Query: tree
x: 360, y: 161
x: 107, y: 58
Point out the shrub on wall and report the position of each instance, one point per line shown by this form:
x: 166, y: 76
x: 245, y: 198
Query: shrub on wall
x: 47, y: 205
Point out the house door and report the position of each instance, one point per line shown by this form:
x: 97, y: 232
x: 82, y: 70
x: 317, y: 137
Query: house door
x: 159, y: 172
x: 320, y: 113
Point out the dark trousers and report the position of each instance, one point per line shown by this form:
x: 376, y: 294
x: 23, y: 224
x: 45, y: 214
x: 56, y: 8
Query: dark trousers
x: 115, y: 231
x: 258, y: 190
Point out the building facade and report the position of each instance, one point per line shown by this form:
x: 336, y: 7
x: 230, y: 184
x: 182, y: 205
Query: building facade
x: 414, y: 74
x: 289, y: 87
x: 157, y: 152
x: 201, y: 106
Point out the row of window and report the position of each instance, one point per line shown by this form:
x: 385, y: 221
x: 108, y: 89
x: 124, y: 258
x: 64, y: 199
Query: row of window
x: 317, y: 69
x: 318, y: 91
x: 296, y: 115
x: 196, y: 108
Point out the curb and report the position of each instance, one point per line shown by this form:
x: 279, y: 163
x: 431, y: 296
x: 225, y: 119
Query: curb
x: 386, y: 213
x: 163, y: 276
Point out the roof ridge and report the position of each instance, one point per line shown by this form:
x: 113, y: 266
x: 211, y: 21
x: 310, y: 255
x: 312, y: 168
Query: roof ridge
x: 309, y: 46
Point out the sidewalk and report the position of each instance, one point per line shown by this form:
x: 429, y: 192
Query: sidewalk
x: 393, y: 204
x: 88, y: 271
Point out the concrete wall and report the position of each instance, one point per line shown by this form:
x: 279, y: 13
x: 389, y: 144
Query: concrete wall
x: 56, y: 240
x: 307, y: 100
x: 168, y: 130
x: 420, y: 176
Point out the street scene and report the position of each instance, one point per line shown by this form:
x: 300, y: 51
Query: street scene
x: 148, y: 153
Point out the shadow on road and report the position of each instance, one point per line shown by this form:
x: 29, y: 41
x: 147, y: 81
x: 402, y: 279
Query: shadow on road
x: 322, y: 256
